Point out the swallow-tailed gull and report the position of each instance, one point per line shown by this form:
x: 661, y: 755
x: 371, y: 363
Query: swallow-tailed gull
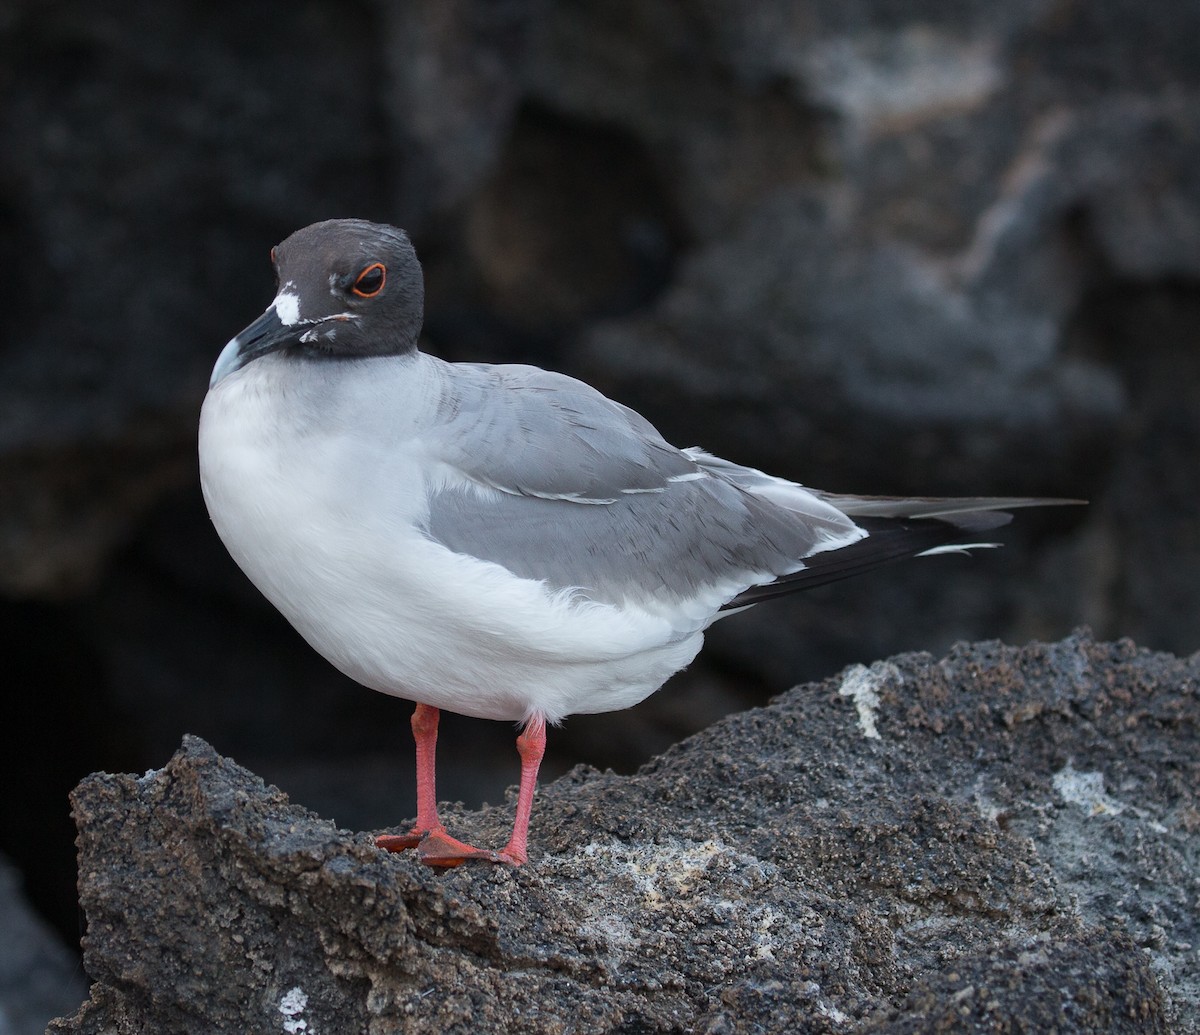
x: 495, y: 540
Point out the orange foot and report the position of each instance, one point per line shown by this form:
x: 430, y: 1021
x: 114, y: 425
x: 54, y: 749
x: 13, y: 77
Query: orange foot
x: 398, y: 842
x: 437, y: 848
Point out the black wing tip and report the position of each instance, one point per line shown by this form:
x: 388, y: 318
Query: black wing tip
x: 888, y: 540
x: 897, y: 537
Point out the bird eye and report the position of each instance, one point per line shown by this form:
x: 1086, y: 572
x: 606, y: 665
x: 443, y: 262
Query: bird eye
x: 274, y: 261
x: 370, y: 281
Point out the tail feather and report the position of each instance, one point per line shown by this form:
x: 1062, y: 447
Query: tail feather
x: 896, y: 529
x: 932, y: 506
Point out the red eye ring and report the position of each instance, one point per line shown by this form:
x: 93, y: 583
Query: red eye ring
x: 370, y: 281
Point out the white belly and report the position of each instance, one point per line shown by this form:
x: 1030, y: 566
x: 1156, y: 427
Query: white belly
x: 331, y: 543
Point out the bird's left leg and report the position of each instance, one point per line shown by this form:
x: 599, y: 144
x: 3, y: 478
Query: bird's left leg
x: 531, y: 745
x: 425, y: 729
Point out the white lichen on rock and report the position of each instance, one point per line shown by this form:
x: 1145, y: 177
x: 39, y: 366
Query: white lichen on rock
x: 862, y: 684
x: 1086, y: 789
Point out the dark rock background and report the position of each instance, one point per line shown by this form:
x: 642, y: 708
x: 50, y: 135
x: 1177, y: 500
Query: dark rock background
x: 917, y: 248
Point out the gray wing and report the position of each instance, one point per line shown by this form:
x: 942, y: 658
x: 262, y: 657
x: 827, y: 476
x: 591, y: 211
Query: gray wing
x: 561, y: 484
x: 558, y: 483
x: 530, y: 432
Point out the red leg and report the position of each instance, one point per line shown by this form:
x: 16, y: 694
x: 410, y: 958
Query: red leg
x: 434, y: 846
x: 424, y: 727
x: 531, y: 745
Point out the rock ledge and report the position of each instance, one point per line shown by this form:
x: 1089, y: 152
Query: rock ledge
x: 1013, y: 849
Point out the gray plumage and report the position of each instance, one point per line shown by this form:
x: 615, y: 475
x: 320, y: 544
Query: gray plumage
x: 499, y: 540
x: 579, y: 482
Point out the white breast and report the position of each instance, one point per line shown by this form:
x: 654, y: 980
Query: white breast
x: 322, y: 514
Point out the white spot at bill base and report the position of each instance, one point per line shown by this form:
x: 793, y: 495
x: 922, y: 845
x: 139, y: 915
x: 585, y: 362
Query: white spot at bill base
x: 287, y: 306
